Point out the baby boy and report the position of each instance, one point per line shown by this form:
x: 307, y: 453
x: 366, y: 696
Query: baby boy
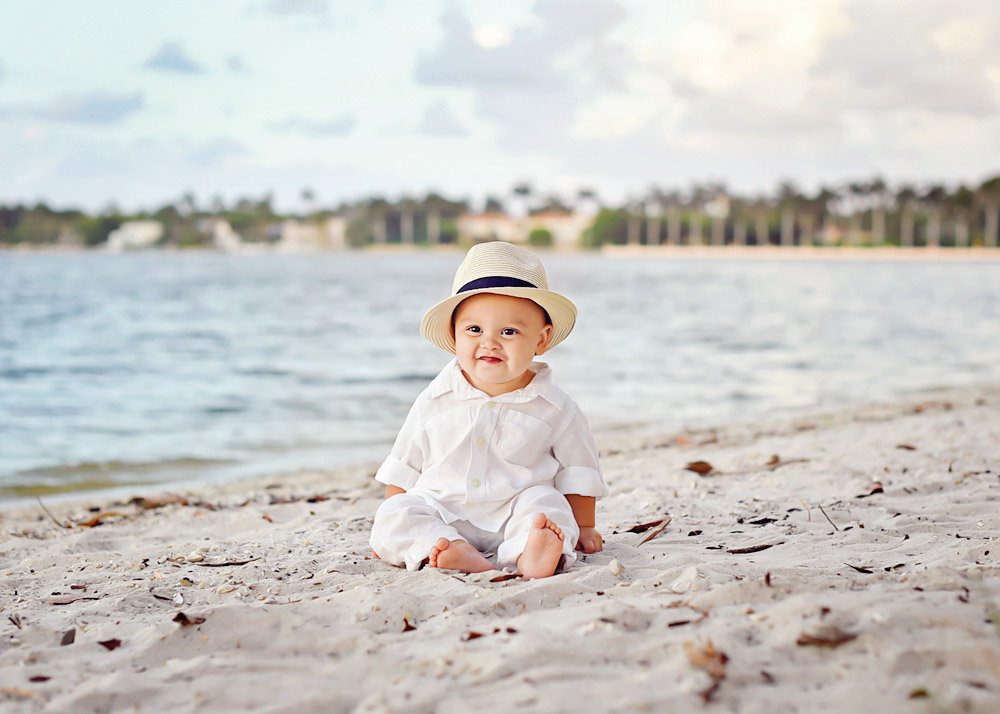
x: 494, y: 457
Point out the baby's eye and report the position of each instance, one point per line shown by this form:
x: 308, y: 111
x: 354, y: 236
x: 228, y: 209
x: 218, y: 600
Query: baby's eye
x: 473, y: 328
x: 508, y: 332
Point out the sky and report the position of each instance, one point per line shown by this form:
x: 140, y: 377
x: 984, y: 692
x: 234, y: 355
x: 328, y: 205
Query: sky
x: 137, y: 103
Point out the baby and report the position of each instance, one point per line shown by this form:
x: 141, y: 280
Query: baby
x: 494, y: 456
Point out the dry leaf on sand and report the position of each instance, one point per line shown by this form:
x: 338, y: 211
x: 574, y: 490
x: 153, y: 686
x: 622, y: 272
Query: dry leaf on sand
x: 712, y: 661
x: 702, y: 468
x: 825, y: 637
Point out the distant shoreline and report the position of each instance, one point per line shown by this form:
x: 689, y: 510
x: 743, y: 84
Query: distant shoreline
x: 690, y: 252
x: 772, y: 252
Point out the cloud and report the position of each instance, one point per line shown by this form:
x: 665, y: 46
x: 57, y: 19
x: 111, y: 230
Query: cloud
x: 438, y: 120
x: 216, y: 150
x: 286, y: 8
x: 528, y: 59
x: 340, y: 126
x: 1, y: 72
x: 532, y: 84
x: 838, y: 82
x: 236, y: 64
x: 171, y: 58
x: 95, y: 108
x: 927, y: 56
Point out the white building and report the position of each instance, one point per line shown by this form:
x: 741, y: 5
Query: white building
x: 302, y: 237
x: 133, y: 235
x: 224, y: 237
x: 490, y: 226
x: 335, y: 229
x: 566, y: 228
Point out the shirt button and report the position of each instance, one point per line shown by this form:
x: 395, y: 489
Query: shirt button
x: 476, y: 483
x: 480, y: 442
x: 491, y: 405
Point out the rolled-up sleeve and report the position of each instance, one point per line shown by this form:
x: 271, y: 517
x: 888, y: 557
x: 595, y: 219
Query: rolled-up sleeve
x: 403, y: 466
x: 576, y: 451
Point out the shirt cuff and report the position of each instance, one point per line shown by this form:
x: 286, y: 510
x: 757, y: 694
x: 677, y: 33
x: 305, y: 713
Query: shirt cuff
x: 394, y: 472
x: 581, y: 481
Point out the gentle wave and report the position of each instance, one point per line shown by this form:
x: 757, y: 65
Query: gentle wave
x: 110, y: 468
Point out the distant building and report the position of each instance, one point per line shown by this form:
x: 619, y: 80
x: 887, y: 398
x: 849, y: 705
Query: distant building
x: 224, y: 237
x: 335, y: 229
x: 296, y: 236
x: 490, y: 226
x: 133, y: 235
x: 566, y: 227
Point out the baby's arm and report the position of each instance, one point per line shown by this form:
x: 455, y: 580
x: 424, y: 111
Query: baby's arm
x: 391, y: 491
x: 583, y: 511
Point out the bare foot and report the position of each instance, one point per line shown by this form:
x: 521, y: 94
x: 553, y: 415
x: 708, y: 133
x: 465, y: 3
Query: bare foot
x: 457, y: 555
x: 542, y: 551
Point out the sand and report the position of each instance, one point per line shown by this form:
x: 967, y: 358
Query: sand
x: 831, y: 562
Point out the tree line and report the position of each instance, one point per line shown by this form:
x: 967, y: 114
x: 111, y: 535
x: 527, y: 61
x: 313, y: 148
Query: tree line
x: 863, y: 212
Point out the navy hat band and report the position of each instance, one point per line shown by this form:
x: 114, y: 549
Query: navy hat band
x: 496, y: 281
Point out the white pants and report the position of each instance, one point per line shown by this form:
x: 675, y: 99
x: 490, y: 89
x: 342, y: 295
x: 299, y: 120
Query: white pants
x: 408, y: 525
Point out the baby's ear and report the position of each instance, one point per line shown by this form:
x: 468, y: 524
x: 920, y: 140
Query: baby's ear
x: 543, y: 340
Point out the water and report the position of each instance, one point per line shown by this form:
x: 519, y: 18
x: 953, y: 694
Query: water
x: 172, y: 367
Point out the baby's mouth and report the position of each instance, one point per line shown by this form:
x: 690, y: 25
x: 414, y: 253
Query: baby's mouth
x: 490, y: 360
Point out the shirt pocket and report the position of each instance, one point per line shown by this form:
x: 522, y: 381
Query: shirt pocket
x: 445, y: 434
x: 523, y: 439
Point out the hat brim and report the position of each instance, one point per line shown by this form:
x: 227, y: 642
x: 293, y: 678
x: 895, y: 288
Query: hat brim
x: 436, y: 325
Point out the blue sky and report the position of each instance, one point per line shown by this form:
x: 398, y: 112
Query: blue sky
x: 139, y: 102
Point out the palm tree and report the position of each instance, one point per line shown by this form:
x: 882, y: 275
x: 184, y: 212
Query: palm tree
x: 933, y: 201
x: 309, y: 199
x: 654, y: 216
x: 672, y: 200
x: 989, y: 197
x: 587, y: 200
x: 809, y: 217
x: 406, y: 228
x: 824, y: 199
x: 188, y: 204
x: 493, y: 205
x: 761, y: 208
x: 739, y: 211
x: 434, y: 205
x: 378, y: 213
x: 634, y: 209
x: 858, y: 191
x: 788, y: 199
x: 961, y: 205
x: 905, y: 199
x: 696, y: 203
x: 718, y: 209
x: 878, y: 190
x: 521, y: 193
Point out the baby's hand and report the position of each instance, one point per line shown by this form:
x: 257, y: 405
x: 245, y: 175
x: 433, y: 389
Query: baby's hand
x: 590, y: 540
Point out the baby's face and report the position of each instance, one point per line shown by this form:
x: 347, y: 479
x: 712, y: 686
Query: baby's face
x: 496, y: 337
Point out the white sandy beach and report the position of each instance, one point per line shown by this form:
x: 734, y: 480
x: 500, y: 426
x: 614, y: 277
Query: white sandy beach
x: 839, y: 562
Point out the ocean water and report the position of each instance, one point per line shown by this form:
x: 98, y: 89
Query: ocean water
x: 166, y: 368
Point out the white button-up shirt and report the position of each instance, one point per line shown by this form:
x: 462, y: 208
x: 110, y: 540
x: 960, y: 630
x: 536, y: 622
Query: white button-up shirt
x: 472, y: 453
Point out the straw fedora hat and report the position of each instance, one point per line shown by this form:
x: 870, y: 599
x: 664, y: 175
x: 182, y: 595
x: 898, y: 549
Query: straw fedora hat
x: 503, y: 269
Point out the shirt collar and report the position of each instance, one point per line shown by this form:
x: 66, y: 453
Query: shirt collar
x: 542, y: 385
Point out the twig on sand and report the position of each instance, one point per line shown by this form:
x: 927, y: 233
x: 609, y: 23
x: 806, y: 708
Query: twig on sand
x: 227, y: 564
x: 655, y: 531
x: 753, y: 548
x: 828, y: 518
x: 54, y: 519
